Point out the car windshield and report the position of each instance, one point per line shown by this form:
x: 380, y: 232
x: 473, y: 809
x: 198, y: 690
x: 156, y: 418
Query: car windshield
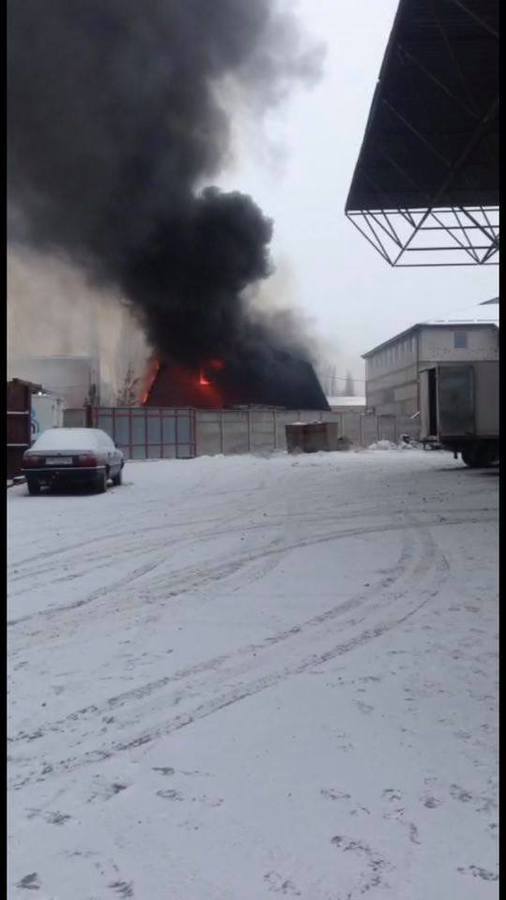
x: 71, y: 439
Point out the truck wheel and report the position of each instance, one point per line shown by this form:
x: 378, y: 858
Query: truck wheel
x: 118, y: 479
x: 487, y: 455
x: 478, y: 457
x: 33, y: 486
x: 468, y: 456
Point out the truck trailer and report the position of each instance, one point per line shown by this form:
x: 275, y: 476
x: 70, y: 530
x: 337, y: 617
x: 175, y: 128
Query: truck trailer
x: 459, y: 409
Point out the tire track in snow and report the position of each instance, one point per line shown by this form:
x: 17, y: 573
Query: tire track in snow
x: 427, y: 563
x: 210, y: 574
x: 221, y: 701
x: 268, y: 520
x: 135, y: 530
x: 211, y: 665
x: 134, y: 533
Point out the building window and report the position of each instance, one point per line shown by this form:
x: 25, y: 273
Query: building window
x: 460, y: 340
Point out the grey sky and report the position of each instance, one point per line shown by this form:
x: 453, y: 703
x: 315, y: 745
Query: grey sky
x: 335, y: 276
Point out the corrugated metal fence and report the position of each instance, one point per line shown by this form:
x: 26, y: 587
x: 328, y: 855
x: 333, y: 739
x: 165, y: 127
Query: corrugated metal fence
x: 141, y: 432
x: 149, y: 432
x: 170, y: 433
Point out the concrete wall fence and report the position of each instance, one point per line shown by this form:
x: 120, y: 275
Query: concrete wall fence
x: 233, y: 431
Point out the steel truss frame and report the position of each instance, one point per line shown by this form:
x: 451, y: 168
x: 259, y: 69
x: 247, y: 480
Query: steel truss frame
x: 432, y: 233
x: 441, y: 236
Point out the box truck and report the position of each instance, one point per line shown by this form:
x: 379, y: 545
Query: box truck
x: 459, y: 409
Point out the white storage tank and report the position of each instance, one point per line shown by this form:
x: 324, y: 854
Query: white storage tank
x: 47, y: 412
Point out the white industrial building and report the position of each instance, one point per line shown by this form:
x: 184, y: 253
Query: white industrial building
x: 75, y: 379
x: 393, y: 367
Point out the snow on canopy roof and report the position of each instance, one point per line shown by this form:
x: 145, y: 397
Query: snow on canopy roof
x: 70, y: 439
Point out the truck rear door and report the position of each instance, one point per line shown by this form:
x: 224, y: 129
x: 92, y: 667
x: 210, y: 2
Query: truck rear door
x: 456, y: 412
x: 428, y: 404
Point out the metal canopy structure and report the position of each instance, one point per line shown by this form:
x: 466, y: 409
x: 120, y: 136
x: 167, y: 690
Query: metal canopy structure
x: 425, y: 190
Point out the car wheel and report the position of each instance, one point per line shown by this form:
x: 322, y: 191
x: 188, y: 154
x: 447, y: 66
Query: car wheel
x: 118, y: 479
x: 33, y: 486
x: 101, y: 484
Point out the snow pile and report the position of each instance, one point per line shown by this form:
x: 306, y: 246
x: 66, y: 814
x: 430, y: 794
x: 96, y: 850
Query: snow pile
x: 383, y: 445
x: 403, y: 444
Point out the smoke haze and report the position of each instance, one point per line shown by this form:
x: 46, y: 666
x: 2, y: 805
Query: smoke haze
x: 53, y: 311
x: 116, y: 126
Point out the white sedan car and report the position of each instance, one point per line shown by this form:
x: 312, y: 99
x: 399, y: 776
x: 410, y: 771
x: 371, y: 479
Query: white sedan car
x: 72, y: 456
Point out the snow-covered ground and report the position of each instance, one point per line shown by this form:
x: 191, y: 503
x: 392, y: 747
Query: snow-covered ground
x: 231, y: 679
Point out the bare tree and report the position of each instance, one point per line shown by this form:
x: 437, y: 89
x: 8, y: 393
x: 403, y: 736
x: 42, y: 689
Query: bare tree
x: 349, y: 387
x: 128, y: 391
x: 326, y: 372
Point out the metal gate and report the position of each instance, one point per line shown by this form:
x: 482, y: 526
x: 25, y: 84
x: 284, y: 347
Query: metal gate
x: 148, y: 432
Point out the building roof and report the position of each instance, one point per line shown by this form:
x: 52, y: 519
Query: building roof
x: 432, y: 136
x: 425, y: 190
x: 473, y: 315
x: 288, y: 383
x: 441, y: 323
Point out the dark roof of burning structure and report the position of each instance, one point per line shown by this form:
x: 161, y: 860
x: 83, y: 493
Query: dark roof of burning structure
x: 431, y: 139
x: 283, y: 382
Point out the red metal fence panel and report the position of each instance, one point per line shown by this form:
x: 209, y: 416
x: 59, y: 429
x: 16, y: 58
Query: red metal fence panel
x: 149, y: 432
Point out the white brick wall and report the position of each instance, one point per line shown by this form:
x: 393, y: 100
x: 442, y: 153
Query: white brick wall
x: 437, y: 344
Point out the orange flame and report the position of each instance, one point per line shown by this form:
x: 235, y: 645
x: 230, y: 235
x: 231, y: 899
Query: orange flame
x: 151, y: 383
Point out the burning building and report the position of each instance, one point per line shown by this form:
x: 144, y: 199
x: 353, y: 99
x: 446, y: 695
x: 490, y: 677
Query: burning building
x: 286, y: 382
x: 117, y: 123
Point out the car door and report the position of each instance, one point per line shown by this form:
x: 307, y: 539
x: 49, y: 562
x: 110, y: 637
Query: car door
x: 456, y: 400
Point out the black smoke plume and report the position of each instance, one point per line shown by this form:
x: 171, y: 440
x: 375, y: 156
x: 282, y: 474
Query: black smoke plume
x: 114, y: 126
